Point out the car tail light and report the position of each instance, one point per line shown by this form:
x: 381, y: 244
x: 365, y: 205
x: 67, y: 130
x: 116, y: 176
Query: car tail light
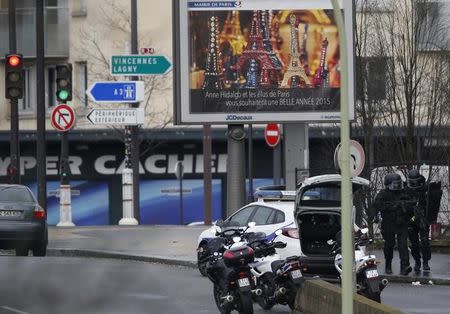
x: 290, y: 232
x: 39, y: 213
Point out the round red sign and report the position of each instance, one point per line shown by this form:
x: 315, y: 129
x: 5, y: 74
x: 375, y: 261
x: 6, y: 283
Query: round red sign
x: 63, y: 117
x: 272, y: 134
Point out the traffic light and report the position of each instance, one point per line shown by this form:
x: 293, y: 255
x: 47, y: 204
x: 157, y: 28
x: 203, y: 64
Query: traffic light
x: 64, y: 82
x: 14, y: 76
x: 64, y: 171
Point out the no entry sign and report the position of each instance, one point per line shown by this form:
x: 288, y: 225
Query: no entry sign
x: 272, y: 134
x: 63, y: 117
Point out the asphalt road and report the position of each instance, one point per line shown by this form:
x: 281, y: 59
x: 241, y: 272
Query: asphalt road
x: 86, y: 285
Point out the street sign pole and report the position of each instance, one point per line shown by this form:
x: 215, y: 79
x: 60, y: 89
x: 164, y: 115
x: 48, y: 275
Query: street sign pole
x: 135, y: 152
x: 346, y: 188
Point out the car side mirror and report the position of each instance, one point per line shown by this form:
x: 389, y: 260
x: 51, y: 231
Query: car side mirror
x: 251, y: 224
x: 278, y: 232
x: 219, y: 223
x: 364, y: 230
x: 330, y: 242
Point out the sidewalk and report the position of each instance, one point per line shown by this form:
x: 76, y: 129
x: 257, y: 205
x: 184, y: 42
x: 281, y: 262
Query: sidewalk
x: 177, y: 245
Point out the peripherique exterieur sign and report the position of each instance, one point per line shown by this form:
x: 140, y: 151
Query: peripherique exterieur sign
x: 285, y: 68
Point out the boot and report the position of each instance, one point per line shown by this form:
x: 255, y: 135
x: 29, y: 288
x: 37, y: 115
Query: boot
x: 426, y: 267
x: 417, y: 265
x: 388, y: 269
x: 405, y: 271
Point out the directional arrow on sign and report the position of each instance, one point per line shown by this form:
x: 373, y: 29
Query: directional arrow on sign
x: 131, y: 65
x: 121, y: 116
x: 116, y: 92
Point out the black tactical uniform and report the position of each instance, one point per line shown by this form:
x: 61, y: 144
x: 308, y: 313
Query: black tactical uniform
x: 419, y: 226
x: 394, y: 225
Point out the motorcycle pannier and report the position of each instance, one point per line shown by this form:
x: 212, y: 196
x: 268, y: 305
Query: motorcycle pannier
x: 238, y: 256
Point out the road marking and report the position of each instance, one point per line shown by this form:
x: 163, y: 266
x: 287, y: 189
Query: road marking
x: 13, y: 309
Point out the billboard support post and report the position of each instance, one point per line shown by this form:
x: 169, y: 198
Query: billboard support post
x: 235, y: 168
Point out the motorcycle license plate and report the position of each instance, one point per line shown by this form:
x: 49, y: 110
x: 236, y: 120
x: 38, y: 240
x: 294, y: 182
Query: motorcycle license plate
x: 373, y: 273
x: 295, y: 274
x: 243, y: 282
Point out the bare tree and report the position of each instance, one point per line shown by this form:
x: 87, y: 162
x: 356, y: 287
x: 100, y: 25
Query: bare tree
x: 402, y: 75
x: 95, y: 47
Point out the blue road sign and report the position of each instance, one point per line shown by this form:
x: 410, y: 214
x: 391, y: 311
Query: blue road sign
x: 117, y: 92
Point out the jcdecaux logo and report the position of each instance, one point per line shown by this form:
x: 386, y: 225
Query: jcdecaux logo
x: 233, y: 117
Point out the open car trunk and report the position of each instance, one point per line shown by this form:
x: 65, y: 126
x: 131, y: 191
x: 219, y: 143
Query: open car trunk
x: 318, y: 218
x: 316, y: 228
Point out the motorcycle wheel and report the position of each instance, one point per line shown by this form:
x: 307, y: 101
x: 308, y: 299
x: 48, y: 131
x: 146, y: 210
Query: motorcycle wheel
x: 375, y: 296
x: 266, y: 300
x: 218, y: 294
x: 246, y: 306
x: 202, y: 265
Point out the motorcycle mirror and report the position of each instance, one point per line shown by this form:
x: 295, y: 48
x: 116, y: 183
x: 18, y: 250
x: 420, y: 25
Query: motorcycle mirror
x: 330, y: 242
x: 251, y: 224
x: 236, y: 239
x: 216, y: 254
x: 278, y: 232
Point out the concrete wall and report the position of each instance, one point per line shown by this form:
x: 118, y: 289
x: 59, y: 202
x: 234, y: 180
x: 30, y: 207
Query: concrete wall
x: 318, y: 296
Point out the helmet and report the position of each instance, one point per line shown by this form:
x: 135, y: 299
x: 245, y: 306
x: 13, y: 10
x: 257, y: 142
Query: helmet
x: 393, y: 182
x: 415, y: 180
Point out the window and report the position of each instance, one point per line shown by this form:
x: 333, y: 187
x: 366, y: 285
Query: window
x: 371, y: 78
x: 81, y: 82
x: 26, y: 104
x: 261, y: 216
x: 50, y: 86
x: 79, y: 8
x: 279, y: 217
x: 432, y: 25
x: 242, y: 216
x: 4, y: 4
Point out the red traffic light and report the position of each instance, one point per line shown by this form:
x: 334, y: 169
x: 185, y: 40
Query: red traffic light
x: 14, y: 60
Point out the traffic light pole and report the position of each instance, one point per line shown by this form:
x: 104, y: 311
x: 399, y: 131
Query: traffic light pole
x: 14, y: 146
x: 65, y: 197
x: 40, y: 110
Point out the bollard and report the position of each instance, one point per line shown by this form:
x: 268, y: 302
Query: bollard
x: 65, y: 207
x: 127, y: 198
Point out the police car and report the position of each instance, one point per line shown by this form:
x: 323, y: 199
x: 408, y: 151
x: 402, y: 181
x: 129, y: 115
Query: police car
x: 273, y: 210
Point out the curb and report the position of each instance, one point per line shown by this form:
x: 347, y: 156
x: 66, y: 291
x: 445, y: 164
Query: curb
x: 119, y: 256
x: 423, y: 280
x: 59, y: 252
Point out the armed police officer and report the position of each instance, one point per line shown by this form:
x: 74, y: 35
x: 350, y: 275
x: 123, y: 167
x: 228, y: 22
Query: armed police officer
x: 419, y: 226
x: 395, y: 218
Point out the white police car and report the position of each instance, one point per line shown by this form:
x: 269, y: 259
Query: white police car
x: 273, y: 210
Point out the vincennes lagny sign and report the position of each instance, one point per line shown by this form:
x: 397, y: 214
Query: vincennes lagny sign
x: 111, y: 165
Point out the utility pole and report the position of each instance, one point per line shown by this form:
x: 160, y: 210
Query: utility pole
x: 14, y: 145
x: 135, y: 151
x: 40, y: 110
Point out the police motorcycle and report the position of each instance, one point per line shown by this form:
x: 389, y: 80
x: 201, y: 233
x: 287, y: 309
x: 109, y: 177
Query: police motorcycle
x: 368, y: 282
x: 222, y: 240
x: 279, y: 279
x: 235, y: 286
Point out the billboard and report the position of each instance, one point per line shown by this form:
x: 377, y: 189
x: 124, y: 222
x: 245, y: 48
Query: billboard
x: 258, y: 61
